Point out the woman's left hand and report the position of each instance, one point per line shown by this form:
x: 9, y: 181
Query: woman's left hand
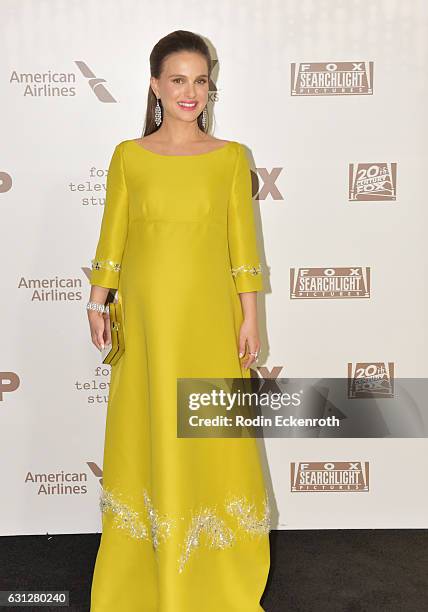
x: 249, y: 338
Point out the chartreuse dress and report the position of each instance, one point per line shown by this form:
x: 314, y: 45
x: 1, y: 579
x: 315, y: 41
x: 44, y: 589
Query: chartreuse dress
x: 185, y: 521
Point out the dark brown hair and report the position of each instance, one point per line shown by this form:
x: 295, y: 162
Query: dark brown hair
x: 180, y: 40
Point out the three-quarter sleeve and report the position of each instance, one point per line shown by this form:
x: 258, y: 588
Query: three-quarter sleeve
x: 245, y: 264
x: 114, y: 226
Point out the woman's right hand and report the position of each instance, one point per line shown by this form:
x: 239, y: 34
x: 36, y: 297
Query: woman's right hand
x: 99, y: 322
x: 100, y: 328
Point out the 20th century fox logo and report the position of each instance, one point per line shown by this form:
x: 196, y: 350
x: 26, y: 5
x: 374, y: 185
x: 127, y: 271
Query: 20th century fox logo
x: 371, y: 379
x: 372, y: 182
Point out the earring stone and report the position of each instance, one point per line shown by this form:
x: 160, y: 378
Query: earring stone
x: 158, y: 113
x: 204, y: 117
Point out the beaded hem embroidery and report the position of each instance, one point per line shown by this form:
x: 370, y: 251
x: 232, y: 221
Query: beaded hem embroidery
x: 206, y: 523
x: 247, y: 268
x: 105, y: 265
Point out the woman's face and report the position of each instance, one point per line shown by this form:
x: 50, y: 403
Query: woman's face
x: 184, y: 79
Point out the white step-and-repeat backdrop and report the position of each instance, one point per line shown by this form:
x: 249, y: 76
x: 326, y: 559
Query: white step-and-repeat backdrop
x: 330, y: 100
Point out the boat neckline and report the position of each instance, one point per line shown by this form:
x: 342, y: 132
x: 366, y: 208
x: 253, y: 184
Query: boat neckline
x: 191, y: 155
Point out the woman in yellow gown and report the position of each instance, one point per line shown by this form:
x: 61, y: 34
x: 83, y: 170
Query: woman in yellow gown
x: 185, y: 521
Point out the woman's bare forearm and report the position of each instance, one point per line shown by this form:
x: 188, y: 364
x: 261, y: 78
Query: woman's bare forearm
x: 98, y: 294
x: 249, y: 305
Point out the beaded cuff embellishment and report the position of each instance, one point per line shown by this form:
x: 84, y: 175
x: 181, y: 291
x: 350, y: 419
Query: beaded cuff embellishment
x: 105, y: 265
x: 253, y: 270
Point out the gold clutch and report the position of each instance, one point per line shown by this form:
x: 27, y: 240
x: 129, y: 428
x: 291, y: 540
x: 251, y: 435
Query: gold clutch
x: 114, y: 351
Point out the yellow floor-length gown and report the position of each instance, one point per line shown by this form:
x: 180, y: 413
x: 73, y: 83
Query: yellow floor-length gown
x: 185, y: 521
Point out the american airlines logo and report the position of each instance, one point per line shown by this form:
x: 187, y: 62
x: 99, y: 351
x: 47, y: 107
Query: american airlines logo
x: 96, y: 470
x: 57, y: 84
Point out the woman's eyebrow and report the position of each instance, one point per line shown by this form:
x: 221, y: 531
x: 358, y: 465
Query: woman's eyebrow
x: 183, y: 75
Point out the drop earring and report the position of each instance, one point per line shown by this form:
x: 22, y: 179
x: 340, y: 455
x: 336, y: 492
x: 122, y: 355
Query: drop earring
x: 204, y: 117
x: 158, y: 113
